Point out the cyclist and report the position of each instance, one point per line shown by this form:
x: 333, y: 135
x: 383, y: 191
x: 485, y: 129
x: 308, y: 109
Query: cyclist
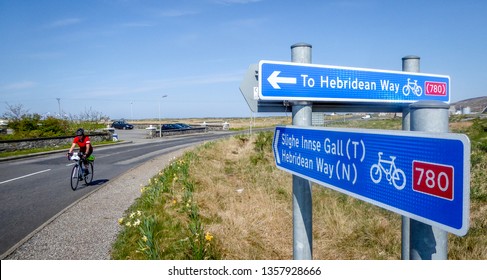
x: 85, y: 147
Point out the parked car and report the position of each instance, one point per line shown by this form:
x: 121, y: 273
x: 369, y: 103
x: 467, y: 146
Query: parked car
x: 183, y: 125
x: 170, y: 126
x: 122, y: 125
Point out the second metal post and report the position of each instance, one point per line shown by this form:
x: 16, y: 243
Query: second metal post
x: 428, y: 242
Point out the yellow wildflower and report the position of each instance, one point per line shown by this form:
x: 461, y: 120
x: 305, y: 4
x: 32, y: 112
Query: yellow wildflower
x: 132, y: 215
x: 120, y: 221
x: 139, y: 213
x: 128, y: 224
x: 208, y: 237
x: 136, y: 223
x: 144, y: 238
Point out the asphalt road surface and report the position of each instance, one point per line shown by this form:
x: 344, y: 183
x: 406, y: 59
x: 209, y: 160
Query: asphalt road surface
x: 35, y: 189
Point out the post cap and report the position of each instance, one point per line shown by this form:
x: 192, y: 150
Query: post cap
x: 429, y: 104
x: 306, y: 45
x: 411, y: 57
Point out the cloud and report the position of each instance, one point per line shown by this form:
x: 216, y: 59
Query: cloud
x: 159, y: 85
x: 63, y: 22
x: 195, y: 80
x: 19, y: 85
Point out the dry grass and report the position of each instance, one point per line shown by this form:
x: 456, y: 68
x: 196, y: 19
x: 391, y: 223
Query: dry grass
x: 460, y: 126
x: 245, y: 202
x: 248, y: 217
x: 248, y: 208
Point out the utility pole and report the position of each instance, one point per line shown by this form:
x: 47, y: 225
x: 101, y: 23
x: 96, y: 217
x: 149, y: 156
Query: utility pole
x: 160, y: 124
x: 59, y: 105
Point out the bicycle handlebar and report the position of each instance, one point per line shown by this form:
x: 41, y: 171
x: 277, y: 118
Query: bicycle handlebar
x: 76, y: 156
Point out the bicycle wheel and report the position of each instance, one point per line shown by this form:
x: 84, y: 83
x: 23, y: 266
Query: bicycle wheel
x: 405, y: 90
x: 375, y: 173
x: 74, y: 177
x: 399, y: 179
x: 89, y: 177
x: 418, y: 91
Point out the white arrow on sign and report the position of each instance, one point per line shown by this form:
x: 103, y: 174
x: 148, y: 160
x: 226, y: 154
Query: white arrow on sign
x: 274, y: 80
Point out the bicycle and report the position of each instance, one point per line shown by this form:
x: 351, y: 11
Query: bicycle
x: 78, y: 173
x: 412, y: 87
x: 394, y: 175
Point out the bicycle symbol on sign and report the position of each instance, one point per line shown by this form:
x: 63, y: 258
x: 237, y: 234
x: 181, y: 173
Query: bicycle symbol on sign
x: 394, y: 175
x: 412, y: 87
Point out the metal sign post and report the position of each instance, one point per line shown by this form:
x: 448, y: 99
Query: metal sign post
x: 302, y: 198
x: 428, y: 242
x: 409, y: 64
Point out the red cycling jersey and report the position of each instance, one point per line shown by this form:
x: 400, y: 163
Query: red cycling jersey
x: 81, y: 142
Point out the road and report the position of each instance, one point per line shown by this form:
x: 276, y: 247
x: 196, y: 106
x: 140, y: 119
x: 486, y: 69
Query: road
x: 35, y: 189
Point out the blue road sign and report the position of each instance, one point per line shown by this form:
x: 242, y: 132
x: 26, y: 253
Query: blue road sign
x: 420, y: 175
x: 322, y: 83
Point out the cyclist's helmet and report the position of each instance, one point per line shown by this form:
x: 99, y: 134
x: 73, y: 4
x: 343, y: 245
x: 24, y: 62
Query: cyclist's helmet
x: 80, y: 132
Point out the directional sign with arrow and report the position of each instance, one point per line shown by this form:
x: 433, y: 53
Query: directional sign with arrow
x: 424, y: 176
x: 322, y: 83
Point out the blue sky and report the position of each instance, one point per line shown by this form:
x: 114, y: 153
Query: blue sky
x: 119, y: 57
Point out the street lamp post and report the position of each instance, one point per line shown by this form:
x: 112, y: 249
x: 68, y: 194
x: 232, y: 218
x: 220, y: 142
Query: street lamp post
x: 59, y: 105
x: 160, y: 125
x: 131, y: 111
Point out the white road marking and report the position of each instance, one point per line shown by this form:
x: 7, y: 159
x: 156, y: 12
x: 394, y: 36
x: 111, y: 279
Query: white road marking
x: 28, y: 175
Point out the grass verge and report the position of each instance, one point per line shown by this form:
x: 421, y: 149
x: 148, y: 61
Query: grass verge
x: 165, y: 223
x: 226, y: 200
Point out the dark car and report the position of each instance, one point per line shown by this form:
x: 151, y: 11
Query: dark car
x: 170, y: 126
x: 183, y: 125
x: 122, y: 125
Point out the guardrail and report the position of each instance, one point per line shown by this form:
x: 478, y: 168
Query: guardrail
x: 156, y: 133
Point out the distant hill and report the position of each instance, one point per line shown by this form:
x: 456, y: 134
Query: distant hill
x: 477, y: 104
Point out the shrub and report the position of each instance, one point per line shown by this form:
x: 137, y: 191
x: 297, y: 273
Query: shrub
x: 32, y: 126
x: 478, y: 134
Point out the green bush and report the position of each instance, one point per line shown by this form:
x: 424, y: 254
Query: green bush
x: 32, y: 126
x: 54, y: 127
x: 262, y: 144
x: 478, y: 134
